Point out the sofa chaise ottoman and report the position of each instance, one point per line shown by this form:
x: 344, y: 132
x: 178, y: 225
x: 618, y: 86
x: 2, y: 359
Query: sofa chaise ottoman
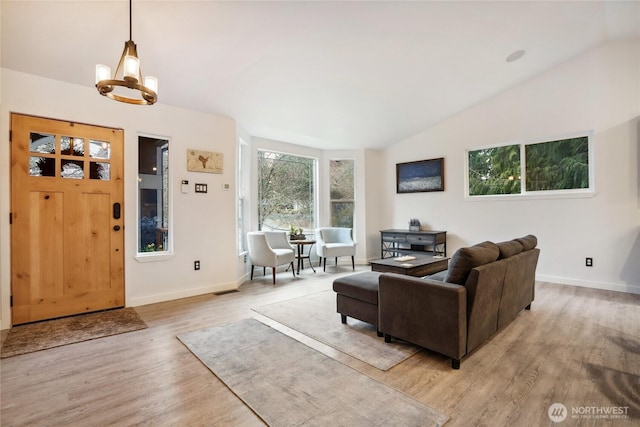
x: 357, y: 297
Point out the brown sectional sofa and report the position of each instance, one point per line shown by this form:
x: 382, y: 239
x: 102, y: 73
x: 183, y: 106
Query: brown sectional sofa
x: 453, y: 312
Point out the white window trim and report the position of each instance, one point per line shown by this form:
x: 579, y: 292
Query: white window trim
x: 144, y: 257
x: 355, y: 165
x: 316, y: 195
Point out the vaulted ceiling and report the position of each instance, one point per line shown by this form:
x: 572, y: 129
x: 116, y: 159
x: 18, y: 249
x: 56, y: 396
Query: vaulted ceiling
x: 340, y: 74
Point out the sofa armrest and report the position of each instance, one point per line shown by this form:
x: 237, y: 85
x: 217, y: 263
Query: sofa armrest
x: 425, y: 312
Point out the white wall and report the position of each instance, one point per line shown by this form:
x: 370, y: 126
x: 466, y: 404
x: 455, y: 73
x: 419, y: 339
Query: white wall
x: 203, y: 224
x: 375, y: 204
x: 598, y: 90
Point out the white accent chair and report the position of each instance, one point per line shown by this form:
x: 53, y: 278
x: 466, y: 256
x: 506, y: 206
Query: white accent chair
x: 270, y: 249
x: 334, y: 242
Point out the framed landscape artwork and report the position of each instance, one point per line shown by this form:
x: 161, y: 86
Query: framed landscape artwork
x: 420, y: 176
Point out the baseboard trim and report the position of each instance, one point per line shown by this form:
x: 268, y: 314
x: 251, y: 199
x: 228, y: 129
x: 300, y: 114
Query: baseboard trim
x: 617, y: 287
x: 183, y: 293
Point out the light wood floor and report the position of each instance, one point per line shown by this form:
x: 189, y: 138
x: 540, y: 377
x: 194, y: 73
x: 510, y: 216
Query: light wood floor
x: 577, y: 346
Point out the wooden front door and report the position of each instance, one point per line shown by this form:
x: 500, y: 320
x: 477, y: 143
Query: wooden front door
x: 67, y: 216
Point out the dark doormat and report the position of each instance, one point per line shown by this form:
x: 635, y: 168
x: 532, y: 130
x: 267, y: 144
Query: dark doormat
x: 32, y: 337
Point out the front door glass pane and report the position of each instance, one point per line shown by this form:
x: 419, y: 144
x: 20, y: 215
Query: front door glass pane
x: 72, y: 169
x: 72, y: 146
x: 99, y: 170
x: 42, y: 143
x: 99, y: 149
x: 42, y: 166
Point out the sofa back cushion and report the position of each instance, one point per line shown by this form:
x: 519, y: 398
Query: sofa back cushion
x: 509, y: 248
x: 468, y: 258
x: 528, y: 242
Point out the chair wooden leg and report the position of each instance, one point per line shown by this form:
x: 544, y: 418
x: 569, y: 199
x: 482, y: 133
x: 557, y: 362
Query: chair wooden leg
x: 353, y: 263
x: 273, y: 270
x: 264, y: 271
x: 252, y: 271
x: 336, y: 260
x: 293, y: 270
x: 325, y: 265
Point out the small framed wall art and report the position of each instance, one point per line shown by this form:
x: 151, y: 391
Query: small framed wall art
x: 420, y: 176
x: 204, y: 161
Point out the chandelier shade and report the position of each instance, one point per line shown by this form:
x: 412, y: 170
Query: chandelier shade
x: 127, y: 75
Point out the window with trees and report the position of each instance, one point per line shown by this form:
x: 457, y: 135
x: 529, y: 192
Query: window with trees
x: 286, y: 191
x: 558, y: 166
x: 342, y: 192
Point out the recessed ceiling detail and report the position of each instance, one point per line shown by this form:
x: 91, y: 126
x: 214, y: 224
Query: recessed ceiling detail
x: 516, y: 55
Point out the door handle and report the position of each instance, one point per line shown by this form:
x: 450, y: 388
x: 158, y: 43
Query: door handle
x: 116, y: 228
x: 116, y: 210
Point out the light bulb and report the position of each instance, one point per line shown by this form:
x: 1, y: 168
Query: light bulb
x: 131, y: 67
x: 102, y: 73
x: 151, y: 83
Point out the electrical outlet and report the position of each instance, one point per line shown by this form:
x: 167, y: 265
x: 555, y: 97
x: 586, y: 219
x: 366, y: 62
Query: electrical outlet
x: 196, y: 265
x: 588, y: 262
x: 245, y: 259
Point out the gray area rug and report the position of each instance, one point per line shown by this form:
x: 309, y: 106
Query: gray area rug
x: 32, y: 337
x: 315, y: 316
x: 287, y: 383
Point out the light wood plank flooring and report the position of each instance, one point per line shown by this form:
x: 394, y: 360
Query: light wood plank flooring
x: 577, y: 346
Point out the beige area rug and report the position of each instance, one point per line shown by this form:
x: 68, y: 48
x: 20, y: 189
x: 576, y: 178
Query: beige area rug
x: 315, y: 316
x: 287, y: 383
x: 32, y: 337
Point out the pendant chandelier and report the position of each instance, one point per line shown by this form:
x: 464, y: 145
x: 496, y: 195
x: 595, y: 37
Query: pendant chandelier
x: 130, y: 77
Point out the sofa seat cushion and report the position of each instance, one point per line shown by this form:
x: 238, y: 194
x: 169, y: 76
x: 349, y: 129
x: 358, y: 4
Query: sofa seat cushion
x: 465, y: 259
x: 528, y: 242
x: 339, y: 249
x: 509, y: 248
x: 361, y: 286
x: 439, y: 276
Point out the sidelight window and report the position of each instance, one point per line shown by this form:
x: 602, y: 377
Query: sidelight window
x: 153, y: 195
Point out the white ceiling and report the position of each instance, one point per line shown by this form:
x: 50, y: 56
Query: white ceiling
x: 342, y: 74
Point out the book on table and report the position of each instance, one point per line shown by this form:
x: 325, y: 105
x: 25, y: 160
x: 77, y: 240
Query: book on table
x: 405, y: 258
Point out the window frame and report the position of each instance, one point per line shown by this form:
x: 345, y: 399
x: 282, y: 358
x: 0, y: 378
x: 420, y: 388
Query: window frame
x: 243, y: 153
x: 155, y: 256
x: 353, y: 201
x: 316, y: 206
x: 539, y: 194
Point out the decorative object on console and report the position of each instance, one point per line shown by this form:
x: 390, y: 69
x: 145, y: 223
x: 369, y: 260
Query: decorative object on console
x: 204, y: 161
x: 420, y: 176
x: 414, y: 224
